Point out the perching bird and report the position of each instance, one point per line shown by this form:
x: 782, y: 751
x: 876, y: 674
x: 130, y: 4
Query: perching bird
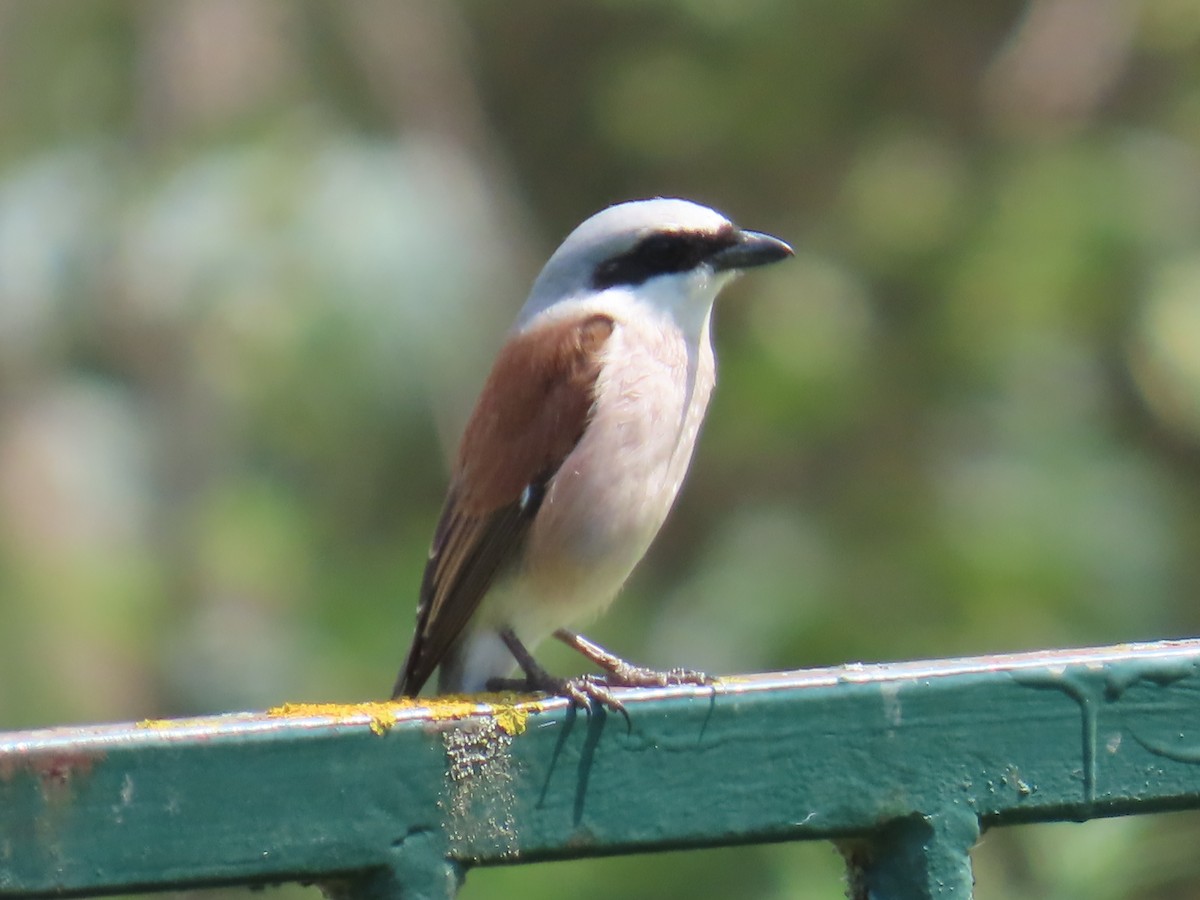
x: 577, y: 447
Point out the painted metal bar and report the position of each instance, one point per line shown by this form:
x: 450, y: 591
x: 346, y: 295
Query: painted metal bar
x: 901, y: 764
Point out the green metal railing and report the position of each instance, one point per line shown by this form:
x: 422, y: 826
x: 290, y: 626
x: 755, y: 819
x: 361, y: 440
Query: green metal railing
x: 902, y: 765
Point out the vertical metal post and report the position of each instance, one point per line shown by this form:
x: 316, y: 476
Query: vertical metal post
x: 919, y: 857
x: 420, y: 870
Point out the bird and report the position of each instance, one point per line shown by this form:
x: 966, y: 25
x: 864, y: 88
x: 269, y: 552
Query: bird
x: 576, y: 450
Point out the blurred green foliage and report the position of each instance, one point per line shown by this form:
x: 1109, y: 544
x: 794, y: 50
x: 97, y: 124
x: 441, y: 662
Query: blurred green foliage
x: 255, y: 256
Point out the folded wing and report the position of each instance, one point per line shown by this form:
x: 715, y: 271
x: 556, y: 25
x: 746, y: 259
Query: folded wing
x: 533, y: 410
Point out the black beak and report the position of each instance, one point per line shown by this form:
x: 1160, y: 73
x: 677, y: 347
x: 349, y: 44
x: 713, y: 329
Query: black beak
x: 752, y: 249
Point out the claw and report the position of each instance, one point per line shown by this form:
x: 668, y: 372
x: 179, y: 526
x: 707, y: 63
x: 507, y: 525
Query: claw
x: 589, y: 691
x: 625, y: 674
x: 585, y: 691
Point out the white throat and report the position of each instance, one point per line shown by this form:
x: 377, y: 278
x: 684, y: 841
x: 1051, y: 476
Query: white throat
x: 687, y: 299
x: 684, y: 300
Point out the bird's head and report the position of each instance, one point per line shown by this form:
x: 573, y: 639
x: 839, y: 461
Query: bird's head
x: 668, y: 253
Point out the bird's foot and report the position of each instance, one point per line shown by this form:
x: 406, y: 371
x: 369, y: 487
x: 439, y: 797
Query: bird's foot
x: 626, y: 674
x: 629, y: 675
x: 583, y: 690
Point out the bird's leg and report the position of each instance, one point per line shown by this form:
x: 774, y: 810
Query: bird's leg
x: 625, y: 674
x: 582, y: 691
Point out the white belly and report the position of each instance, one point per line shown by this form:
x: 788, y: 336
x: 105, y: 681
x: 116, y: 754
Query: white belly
x: 613, y: 492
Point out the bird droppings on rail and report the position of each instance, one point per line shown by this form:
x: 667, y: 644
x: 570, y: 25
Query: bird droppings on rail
x: 893, y: 709
x: 480, y: 796
x: 1012, y: 778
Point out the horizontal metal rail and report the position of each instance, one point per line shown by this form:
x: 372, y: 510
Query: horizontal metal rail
x: 901, y: 764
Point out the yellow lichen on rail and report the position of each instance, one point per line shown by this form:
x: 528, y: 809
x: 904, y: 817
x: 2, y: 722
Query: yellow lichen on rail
x: 510, y: 715
x: 510, y: 712
x: 155, y: 723
x: 381, y: 716
x: 214, y: 721
x: 511, y: 718
x: 506, y: 708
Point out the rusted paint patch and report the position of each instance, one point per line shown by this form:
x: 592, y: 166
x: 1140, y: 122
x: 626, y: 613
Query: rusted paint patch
x: 56, y: 769
x: 59, y: 773
x: 60, y: 769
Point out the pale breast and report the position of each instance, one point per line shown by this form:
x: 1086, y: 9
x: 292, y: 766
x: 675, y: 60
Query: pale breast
x: 614, y: 491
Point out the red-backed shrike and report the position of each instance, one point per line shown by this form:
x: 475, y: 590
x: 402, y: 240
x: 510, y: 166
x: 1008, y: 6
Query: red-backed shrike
x: 577, y: 447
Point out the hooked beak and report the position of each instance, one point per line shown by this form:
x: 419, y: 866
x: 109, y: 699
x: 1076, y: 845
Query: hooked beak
x: 752, y: 249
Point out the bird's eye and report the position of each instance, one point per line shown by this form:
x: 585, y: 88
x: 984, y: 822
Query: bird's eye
x: 668, y: 253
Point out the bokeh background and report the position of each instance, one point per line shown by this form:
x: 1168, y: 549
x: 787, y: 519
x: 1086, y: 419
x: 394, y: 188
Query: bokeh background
x: 255, y: 258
